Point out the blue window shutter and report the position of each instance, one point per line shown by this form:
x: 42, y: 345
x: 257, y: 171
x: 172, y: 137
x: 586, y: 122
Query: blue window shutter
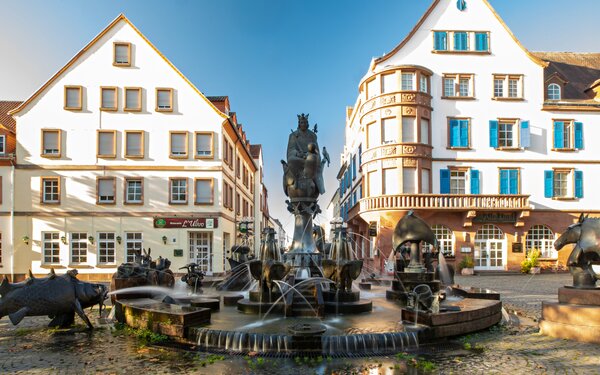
x: 481, y: 42
x: 464, y: 133
x: 578, y: 184
x: 503, y: 181
x: 474, y: 181
x: 513, y: 181
x: 440, y: 43
x: 494, y: 133
x: 444, y: 181
x: 579, y: 135
x: 525, y: 134
x: 454, y: 133
x: 548, y: 184
x: 460, y: 41
x: 559, y: 130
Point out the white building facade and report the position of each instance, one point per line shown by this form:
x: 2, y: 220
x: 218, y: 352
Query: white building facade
x: 120, y: 152
x: 488, y: 142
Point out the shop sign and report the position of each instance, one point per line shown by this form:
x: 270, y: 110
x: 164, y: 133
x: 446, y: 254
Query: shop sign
x: 495, y: 217
x: 185, y: 223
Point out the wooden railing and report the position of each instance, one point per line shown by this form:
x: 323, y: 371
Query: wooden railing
x: 445, y: 201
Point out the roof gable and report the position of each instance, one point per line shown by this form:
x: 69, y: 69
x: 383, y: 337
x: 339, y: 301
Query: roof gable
x: 5, y: 119
x: 83, y: 52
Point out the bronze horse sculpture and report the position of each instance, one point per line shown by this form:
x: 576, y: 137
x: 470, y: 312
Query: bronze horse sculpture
x: 585, y: 234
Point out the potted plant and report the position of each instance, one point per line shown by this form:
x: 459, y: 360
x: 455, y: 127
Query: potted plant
x: 466, y: 266
x: 531, y: 264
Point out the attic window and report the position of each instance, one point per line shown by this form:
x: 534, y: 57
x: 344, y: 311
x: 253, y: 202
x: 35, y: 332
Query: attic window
x: 553, y: 91
x: 122, y: 54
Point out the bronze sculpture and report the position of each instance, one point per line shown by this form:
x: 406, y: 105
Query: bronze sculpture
x: 585, y: 234
x: 341, y: 267
x: 269, y: 267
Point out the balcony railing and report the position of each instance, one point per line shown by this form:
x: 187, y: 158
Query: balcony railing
x: 445, y: 201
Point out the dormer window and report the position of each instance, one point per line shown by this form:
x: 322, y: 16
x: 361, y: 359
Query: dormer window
x: 553, y: 91
x: 122, y: 54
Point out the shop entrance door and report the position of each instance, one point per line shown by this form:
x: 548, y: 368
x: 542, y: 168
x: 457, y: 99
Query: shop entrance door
x: 201, y: 250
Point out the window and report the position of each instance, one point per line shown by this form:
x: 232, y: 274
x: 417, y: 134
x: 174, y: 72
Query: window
x: 164, y: 100
x: 409, y: 133
x: 204, y: 145
x: 178, y: 191
x: 507, y: 87
x: 237, y: 167
x: 445, y: 239
x: 553, y: 92
x: 408, y: 83
x: 541, y: 238
x: 568, y: 135
x: 227, y: 198
x: 105, y: 190
x: 506, y: 134
x: 458, y: 181
x: 440, y: 41
x: 409, y: 180
x: 108, y: 98
x: 106, y: 248
x: 134, y: 191
x: 389, y: 131
x: 134, y: 144
x: 0, y: 249
x: 482, y: 42
x: 133, y: 99
x: 425, y: 178
x: 122, y: 54
x: 78, y: 248
x: 424, y: 131
x: 237, y: 203
x: 423, y: 86
x: 107, y: 143
x: 51, y: 141
x: 227, y: 152
x: 179, y: 145
x: 2, y: 144
x: 50, y: 190
x: 461, y: 41
x: 509, y: 134
x: 374, y: 184
x: 563, y: 183
x: 51, y: 247
x: 204, y: 191
x: 458, y: 85
x: 390, y: 181
x: 73, y: 98
x: 133, y: 246
x: 459, y: 133
x: 389, y: 83
x: 372, y: 89
x: 509, y: 181
x: 373, y: 135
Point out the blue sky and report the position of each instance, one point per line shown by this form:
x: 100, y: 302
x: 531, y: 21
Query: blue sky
x: 273, y: 58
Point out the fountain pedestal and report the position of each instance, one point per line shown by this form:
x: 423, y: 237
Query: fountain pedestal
x: 406, y: 282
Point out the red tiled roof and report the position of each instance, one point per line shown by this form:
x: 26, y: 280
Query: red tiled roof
x: 5, y: 118
x: 255, y: 151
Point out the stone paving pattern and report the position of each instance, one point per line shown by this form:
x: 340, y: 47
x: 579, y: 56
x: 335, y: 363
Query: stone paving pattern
x: 31, y: 348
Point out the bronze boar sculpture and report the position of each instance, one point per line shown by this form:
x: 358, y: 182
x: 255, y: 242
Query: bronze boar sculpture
x: 341, y: 267
x: 269, y: 267
x: 143, y: 271
x: 58, y: 297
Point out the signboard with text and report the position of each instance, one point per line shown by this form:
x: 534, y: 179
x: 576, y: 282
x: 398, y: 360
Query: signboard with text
x: 185, y: 222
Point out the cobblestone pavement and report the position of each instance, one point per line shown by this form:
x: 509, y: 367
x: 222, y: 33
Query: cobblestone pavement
x: 31, y: 348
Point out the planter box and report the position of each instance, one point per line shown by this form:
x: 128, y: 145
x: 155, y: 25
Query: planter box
x: 467, y: 271
x: 535, y: 270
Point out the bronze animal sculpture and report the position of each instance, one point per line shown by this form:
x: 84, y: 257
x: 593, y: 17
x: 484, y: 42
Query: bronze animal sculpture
x: 341, y: 268
x: 269, y: 268
x: 58, y: 297
x: 145, y: 271
x: 585, y: 234
x: 413, y: 230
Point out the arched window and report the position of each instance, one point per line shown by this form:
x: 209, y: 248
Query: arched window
x: 540, y: 237
x: 553, y: 91
x: 445, y: 239
x: 489, y: 232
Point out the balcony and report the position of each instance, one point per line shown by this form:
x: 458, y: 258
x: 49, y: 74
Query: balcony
x: 446, y: 202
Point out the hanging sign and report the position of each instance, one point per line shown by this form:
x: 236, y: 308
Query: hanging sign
x: 183, y: 222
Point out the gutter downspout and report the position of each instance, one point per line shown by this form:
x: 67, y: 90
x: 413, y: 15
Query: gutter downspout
x: 12, y: 218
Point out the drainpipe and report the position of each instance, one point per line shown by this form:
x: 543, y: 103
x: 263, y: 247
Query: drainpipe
x: 12, y: 218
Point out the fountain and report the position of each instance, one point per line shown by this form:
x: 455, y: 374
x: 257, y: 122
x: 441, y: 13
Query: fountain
x: 576, y: 315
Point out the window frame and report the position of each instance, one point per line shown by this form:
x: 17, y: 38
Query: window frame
x: 457, y: 77
x: 212, y: 145
x: 537, y: 233
x: 212, y: 187
x: 106, y: 156
x: 449, y: 140
x: 570, y: 193
x: 516, y: 133
x: 570, y: 123
x: 50, y: 241
x: 125, y: 44
x: 100, y: 250
x: 500, y: 169
x: 471, y: 42
x: 108, y: 203
x: 73, y: 87
x: 413, y: 80
x: 170, y: 90
x: 116, y: 93
x: 142, y: 143
x: 126, y: 182
x: 84, y: 241
x: 187, y: 190
x: 506, y: 78
x: 139, y: 105
x: 187, y: 141
x: 133, y: 241
x: 548, y: 91
x: 43, y: 199
x: 466, y: 172
x: 42, y: 149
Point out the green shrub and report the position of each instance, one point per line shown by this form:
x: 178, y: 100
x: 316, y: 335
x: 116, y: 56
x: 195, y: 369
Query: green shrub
x: 466, y: 262
x: 532, y: 260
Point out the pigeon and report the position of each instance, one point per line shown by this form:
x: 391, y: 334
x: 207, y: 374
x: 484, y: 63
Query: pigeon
x: 326, y: 155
